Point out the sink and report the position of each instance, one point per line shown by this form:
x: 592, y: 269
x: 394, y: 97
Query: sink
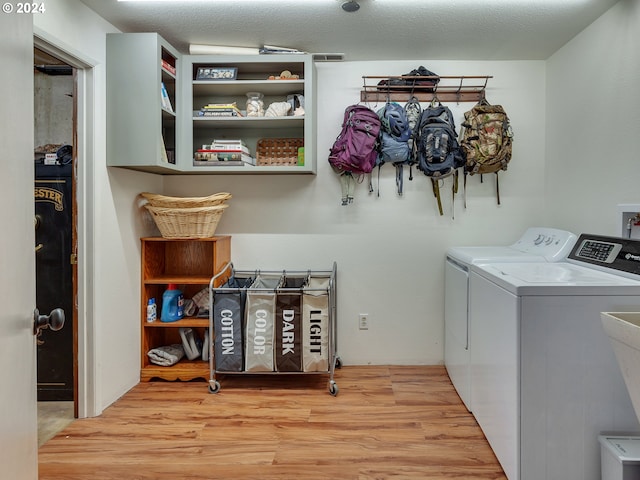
x: 623, y: 329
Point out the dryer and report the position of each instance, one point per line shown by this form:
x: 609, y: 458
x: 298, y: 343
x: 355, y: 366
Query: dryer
x: 537, y: 244
x: 545, y: 381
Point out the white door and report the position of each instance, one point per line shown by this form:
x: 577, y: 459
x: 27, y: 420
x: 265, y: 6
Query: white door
x: 18, y: 408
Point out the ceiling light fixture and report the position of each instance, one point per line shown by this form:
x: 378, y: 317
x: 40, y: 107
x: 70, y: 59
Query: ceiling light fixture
x: 351, y: 6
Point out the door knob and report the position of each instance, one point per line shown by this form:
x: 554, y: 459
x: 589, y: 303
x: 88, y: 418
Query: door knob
x: 54, y: 321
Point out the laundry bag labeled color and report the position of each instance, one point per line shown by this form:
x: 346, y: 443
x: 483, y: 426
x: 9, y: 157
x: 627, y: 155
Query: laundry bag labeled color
x: 261, y: 310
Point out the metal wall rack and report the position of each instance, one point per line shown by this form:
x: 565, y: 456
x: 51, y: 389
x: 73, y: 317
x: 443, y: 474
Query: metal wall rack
x: 448, y: 89
x: 333, y: 361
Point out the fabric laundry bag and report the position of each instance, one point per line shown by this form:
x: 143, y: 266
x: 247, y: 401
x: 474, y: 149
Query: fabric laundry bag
x: 288, y: 348
x: 315, y: 325
x: 261, y: 311
x: 228, y: 325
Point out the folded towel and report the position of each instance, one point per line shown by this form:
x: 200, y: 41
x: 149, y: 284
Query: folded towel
x: 167, y: 355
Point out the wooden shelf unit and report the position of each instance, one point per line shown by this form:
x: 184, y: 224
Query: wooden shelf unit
x: 190, y: 264
x: 448, y: 89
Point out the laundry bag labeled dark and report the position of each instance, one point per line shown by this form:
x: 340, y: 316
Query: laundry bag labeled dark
x: 261, y: 311
x: 288, y: 348
x: 315, y: 325
x: 228, y: 324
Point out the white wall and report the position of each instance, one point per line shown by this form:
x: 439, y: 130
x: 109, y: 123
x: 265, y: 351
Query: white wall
x: 389, y: 250
x: 110, y: 263
x: 53, y: 109
x: 593, y: 122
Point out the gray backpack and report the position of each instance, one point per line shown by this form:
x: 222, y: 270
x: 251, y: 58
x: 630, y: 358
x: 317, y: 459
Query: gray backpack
x: 393, y: 146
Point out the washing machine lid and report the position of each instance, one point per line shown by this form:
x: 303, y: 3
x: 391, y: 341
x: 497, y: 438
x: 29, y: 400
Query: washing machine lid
x: 537, y: 244
x: 475, y: 255
x: 559, y: 278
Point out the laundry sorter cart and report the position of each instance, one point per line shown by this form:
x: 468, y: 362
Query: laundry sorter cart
x: 273, y: 323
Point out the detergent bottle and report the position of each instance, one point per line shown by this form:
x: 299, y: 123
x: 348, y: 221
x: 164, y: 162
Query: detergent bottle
x: 151, y: 310
x: 172, y: 304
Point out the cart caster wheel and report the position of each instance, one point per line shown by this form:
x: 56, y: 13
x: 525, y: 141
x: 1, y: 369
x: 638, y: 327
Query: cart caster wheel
x: 333, y: 388
x: 214, y: 387
x: 338, y: 362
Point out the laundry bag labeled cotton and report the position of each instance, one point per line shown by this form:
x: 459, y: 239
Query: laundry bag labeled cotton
x: 261, y: 310
x: 228, y: 324
x: 288, y: 347
x: 315, y: 325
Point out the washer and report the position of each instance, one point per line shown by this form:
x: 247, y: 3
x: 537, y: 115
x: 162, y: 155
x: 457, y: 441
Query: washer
x: 537, y: 244
x: 544, y: 378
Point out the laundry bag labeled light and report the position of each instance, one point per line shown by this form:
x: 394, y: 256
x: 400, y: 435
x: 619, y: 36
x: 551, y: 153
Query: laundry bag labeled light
x: 228, y: 324
x: 288, y: 347
x: 261, y: 310
x: 315, y: 325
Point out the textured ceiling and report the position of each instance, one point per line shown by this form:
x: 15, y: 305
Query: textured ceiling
x: 379, y: 30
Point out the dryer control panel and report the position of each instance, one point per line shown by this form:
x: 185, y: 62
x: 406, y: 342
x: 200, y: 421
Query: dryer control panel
x: 620, y: 254
x: 605, y: 252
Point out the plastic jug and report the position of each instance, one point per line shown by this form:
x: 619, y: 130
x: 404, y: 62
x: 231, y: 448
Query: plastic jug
x: 172, y: 304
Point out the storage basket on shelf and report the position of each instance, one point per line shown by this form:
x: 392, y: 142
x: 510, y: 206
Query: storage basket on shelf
x: 280, y: 151
x: 157, y: 200
x: 198, y: 222
x: 186, y: 217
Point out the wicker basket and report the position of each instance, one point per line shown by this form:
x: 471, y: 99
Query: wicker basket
x: 278, y: 151
x: 199, y: 222
x: 156, y: 200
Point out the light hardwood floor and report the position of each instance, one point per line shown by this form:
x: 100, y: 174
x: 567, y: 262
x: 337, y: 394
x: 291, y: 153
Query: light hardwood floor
x: 391, y: 422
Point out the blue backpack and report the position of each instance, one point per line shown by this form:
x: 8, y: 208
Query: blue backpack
x: 395, y: 134
x: 438, y: 152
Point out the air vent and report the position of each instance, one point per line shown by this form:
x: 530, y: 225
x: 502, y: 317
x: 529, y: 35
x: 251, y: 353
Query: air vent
x: 328, y: 57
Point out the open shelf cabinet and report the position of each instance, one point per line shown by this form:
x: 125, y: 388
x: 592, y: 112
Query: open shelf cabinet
x: 253, y: 72
x: 190, y: 264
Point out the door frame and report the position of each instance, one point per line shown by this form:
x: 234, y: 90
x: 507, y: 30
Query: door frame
x: 85, y: 348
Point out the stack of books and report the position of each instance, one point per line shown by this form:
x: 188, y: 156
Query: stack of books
x: 168, y: 67
x: 164, y: 97
x: 224, y: 153
x: 219, y: 110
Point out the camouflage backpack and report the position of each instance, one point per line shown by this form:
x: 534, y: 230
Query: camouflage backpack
x: 486, y: 140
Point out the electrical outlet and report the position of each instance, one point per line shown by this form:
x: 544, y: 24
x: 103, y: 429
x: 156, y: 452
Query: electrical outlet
x: 363, y: 321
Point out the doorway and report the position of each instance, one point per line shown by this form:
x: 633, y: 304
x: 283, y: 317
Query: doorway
x: 55, y: 134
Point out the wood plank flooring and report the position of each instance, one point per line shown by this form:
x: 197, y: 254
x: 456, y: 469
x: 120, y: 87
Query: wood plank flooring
x: 387, y: 422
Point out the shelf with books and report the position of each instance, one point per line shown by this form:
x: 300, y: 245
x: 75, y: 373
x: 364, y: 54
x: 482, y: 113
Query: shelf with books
x: 255, y: 73
x: 224, y: 153
x: 240, y: 87
x: 153, y: 92
x: 246, y: 122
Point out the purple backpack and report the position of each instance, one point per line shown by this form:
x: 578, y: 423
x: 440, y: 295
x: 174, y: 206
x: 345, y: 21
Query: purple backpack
x: 354, y: 152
